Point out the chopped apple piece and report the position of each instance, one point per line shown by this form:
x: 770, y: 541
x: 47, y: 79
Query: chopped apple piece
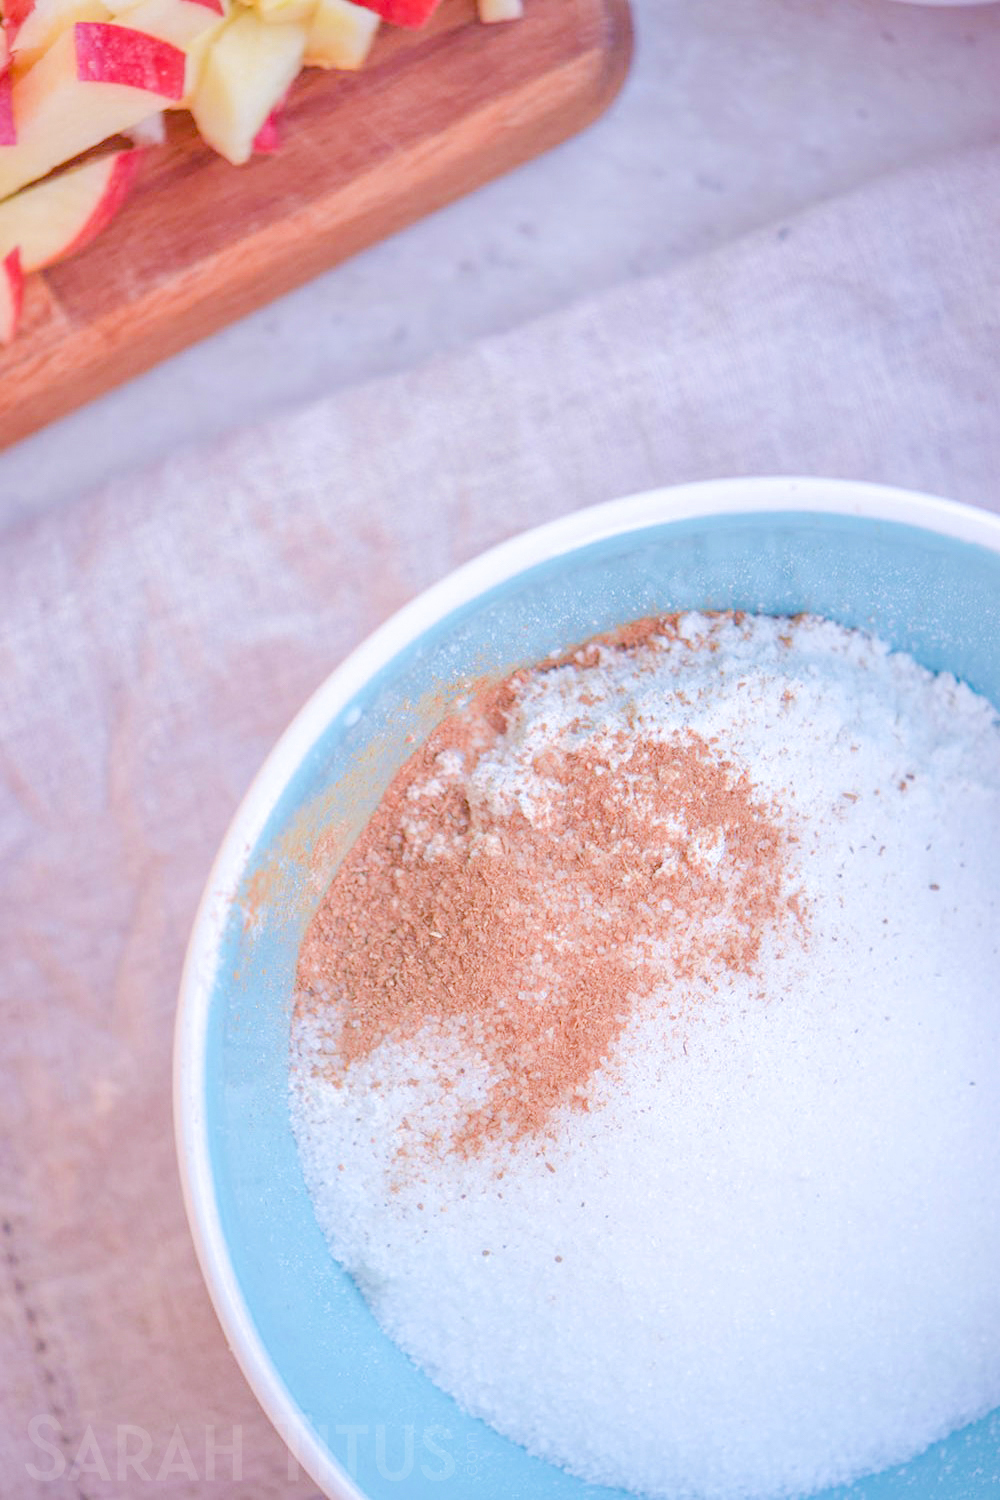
x: 340, y: 34
x: 122, y: 7
x: 11, y: 295
x: 176, y: 21
x: 275, y: 12
x: 185, y: 23
x: 121, y: 54
x: 152, y: 131
x: 47, y: 20
x: 500, y: 10
x: 15, y: 13
x: 65, y: 212
x: 246, y: 72
x: 404, y: 12
x: 8, y: 131
x: 96, y: 80
x: 4, y: 48
x: 197, y: 50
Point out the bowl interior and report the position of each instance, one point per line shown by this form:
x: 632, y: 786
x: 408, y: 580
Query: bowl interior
x: 361, y: 1400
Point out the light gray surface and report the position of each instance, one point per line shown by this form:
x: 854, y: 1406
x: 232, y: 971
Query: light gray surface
x: 735, y: 115
x: 158, y: 636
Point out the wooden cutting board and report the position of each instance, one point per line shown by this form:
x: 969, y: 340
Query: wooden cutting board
x: 434, y: 114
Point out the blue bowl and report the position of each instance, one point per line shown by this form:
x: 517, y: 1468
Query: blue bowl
x: 357, y: 1414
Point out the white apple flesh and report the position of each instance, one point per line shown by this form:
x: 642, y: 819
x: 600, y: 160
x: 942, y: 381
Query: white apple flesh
x: 247, y: 71
x: 47, y: 20
x: 96, y: 80
x: 500, y: 10
x: 176, y: 21
x: 62, y: 214
x: 340, y: 34
x: 276, y: 12
x: 152, y: 131
x: 189, y: 24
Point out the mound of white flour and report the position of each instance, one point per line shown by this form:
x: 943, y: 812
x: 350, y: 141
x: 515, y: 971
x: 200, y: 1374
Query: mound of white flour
x: 766, y: 1258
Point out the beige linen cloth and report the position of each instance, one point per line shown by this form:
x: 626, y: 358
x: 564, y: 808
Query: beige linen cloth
x: 158, y: 636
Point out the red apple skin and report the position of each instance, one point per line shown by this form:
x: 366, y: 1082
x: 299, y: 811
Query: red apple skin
x: 8, y: 130
x: 268, y: 138
x: 119, y: 185
x: 106, y: 53
x: 403, y: 12
x: 15, y: 13
x: 213, y: 5
x: 10, y: 312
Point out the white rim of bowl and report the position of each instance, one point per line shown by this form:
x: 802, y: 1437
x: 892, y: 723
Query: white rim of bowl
x: 568, y: 534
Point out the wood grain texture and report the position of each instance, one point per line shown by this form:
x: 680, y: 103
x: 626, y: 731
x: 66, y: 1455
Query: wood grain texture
x: 434, y: 114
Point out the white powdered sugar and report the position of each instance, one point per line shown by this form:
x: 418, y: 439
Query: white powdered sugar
x: 764, y: 1258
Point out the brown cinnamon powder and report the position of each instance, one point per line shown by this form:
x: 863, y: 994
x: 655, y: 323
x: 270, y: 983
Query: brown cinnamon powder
x: 652, y: 864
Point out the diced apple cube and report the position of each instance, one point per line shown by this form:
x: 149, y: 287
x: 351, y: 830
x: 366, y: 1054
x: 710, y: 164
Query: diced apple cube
x: 96, y: 80
x: 47, y: 20
x: 15, y: 13
x: 403, y: 12
x: 197, y: 50
x: 176, y: 21
x: 500, y: 10
x: 122, y: 7
x: 65, y: 212
x: 190, y: 24
x: 11, y: 295
x: 340, y: 34
x: 276, y: 12
x: 123, y: 55
x: 248, y: 69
